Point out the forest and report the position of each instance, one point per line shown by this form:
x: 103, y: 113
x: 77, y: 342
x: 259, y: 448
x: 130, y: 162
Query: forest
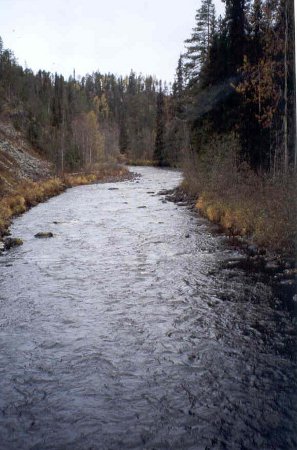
x: 235, y: 90
x: 228, y: 120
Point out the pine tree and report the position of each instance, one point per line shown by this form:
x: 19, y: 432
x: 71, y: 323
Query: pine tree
x: 257, y: 27
x: 198, y: 45
x: 215, y: 69
x: 159, y: 152
x: 59, y: 119
x: 123, y: 138
x: 236, y: 33
x: 285, y: 33
x: 178, y: 87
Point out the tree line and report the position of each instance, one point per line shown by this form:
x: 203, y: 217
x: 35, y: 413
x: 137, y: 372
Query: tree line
x: 77, y: 123
x: 235, y: 80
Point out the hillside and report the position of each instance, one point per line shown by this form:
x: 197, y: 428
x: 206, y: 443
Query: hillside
x: 26, y: 178
x: 19, y: 161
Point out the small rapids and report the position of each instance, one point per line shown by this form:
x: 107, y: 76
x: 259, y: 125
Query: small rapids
x: 128, y: 330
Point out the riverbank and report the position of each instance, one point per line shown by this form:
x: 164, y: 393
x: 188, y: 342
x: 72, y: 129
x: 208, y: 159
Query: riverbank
x: 274, y: 256
x: 29, y: 193
x: 28, y: 178
x: 260, y: 207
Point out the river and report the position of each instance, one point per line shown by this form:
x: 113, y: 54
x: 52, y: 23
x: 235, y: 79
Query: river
x: 128, y: 330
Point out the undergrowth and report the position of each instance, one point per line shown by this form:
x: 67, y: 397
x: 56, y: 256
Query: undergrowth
x: 261, y: 207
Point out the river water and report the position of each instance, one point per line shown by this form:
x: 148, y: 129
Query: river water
x: 127, y: 330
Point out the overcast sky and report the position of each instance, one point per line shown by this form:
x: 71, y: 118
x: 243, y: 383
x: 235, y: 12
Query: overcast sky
x: 110, y: 35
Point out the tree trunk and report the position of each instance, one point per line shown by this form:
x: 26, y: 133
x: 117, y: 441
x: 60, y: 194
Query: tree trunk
x: 295, y: 68
x: 286, y: 153
x: 62, y: 145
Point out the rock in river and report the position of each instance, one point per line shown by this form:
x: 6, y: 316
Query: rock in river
x: 12, y: 242
x: 44, y: 235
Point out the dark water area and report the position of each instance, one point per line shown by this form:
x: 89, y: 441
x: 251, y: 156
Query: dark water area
x: 128, y: 330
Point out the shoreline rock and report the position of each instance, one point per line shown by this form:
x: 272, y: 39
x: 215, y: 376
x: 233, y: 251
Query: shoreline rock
x: 10, y: 242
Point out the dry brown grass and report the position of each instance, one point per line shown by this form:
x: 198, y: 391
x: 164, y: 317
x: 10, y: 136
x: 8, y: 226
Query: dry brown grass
x: 24, y: 196
x: 30, y: 193
x: 140, y: 162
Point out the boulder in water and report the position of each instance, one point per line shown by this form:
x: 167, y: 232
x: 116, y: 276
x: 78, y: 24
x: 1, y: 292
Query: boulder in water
x: 12, y: 242
x: 44, y: 235
x: 252, y: 250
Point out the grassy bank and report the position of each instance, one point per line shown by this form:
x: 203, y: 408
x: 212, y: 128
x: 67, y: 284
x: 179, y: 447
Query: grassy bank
x: 140, y: 162
x: 260, y: 207
x: 30, y: 193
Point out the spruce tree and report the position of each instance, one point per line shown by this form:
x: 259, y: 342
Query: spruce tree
x: 159, y: 152
x: 123, y: 138
x: 178, y: 87
x: 198, y: 45
x: 256, y: 31
x: 236, y: 27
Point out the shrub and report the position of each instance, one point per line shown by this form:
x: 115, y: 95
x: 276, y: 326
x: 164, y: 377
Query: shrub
x: 241, y: 201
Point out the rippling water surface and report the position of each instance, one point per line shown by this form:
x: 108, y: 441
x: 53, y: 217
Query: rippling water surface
x: 125, y: 331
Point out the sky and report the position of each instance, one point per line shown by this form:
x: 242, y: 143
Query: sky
x: 106, y: 35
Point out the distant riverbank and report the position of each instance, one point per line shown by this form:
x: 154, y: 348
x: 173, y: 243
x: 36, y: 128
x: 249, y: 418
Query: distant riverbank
x: 30, y: 193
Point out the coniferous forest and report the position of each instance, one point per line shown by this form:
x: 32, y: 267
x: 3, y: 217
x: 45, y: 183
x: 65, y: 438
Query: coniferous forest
x: 239, y: 78
x: 228, y: 119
